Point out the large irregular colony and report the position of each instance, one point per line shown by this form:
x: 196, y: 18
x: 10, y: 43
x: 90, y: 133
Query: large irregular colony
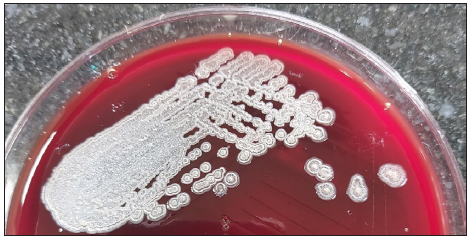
x: 97, y: 189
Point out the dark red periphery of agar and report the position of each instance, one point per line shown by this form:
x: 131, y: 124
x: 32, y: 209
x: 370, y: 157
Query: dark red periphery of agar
x: 275, y: 195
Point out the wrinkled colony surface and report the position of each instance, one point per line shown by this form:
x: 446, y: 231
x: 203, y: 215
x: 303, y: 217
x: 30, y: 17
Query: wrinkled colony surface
x: 228, y: 135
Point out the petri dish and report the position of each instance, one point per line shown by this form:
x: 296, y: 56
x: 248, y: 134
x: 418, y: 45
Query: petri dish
x: 230, y: 121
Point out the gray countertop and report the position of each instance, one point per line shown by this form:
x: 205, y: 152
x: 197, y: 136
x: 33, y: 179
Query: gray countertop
x: 426, y: 44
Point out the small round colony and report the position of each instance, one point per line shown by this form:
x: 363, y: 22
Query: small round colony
x: 393, y: 175
x: 325, y: 173
x: 326, y: 191
x: 205, y: 147
x: 222, y: 152
x: 195, y: 173
x: 231, y: 179
x: 280, y: 134
x: 312, y: 166
x: 205, y: 167
x: 186, y: 178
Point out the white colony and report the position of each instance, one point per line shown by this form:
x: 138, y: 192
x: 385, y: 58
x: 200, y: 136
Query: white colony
x: 179, y: 201
x: 316, y: 168
x: 205, y: 147
x: 195, y: 173
x: 326, y: 191
x: 393, y: 175
x: 312, y: 166
x: 155, y: 211
x: 280, y: 134
x: 222, y: 152
x: 322, y: 172
x: 186, y: 178
x: 205, y: 184
x: 231, y: 179
x: 220, y: 189
x: 172, y: 189
x: 357, y: 190
x: 325, y: 173
x: 194, y: 154
x: 205, y: 167
x: 97, y: 178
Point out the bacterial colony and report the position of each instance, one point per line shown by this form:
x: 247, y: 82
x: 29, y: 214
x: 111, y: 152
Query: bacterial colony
x: 93, y: 188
